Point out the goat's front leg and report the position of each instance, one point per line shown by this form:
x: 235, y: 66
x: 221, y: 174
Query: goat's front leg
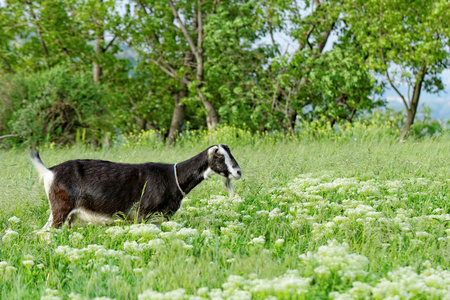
x: 46, y: 234
x: 49, y: 223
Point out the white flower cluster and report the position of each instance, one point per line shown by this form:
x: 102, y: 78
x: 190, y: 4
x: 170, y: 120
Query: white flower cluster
x: 215, y: 209
x: 238, y: 287
x: 74, y: 296
x: 403, y: 283
x: 6, y: 271
x: 50, y: 294
x: 368, y: 215
x: 258, y: 240
x: 136, y: 231
x: 28, y: 261
x: 134, y: 246
x: 9, y: 236
x: 178, y: 294
x: 141, y: 237
x: 186, y: 233
x: 169, y: 226
x: 334, y: 259
x: 14, y: 220
x: 95, y: 252
x: 76, y: 238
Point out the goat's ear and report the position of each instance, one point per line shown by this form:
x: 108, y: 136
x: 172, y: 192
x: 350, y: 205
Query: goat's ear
x: 212, y: 150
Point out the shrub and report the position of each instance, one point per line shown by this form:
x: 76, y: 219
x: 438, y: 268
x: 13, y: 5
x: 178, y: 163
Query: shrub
x: 52, y: 107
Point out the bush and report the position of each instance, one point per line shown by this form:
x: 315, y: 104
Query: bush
x: 52, y: 107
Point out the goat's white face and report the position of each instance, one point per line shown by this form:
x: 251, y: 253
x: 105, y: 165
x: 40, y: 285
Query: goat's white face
x: 222, y: 162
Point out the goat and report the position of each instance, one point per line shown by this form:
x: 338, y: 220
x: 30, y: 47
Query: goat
x: 96, y: 190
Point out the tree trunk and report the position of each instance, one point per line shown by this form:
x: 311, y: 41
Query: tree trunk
x: 177, y: 117
x: 98, y: 70
x: 7, y: 65
x: 412, y: 109
x: 212, y: 119
x: 197, y: 49
x: 292, y: 118
x: 38, y: 29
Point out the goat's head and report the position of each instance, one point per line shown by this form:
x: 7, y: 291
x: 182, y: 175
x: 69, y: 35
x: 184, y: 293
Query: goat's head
x: 222, y: 162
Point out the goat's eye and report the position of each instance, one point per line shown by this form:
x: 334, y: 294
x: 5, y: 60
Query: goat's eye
x: 219, y: 156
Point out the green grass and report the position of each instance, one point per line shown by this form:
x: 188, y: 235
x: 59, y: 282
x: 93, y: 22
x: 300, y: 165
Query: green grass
x: 356, y: 215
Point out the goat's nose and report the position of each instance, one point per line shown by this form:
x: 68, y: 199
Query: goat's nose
x: 239, y: 173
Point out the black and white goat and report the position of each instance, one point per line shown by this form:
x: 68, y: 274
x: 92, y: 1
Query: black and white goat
x: 95, y: 190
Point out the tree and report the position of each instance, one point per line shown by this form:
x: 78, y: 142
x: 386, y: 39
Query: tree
x: 157, y: 32
x: 309, y: 82
x: 407, y: 42
x: 8, y: 30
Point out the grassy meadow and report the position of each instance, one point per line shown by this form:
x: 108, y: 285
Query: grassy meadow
x: 349, y: 215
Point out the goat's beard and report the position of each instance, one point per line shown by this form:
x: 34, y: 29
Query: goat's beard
x: 229, y: 187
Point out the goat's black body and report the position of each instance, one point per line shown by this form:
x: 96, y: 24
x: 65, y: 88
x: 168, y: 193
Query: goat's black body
x: 103, y: 189
x: 110, y: 187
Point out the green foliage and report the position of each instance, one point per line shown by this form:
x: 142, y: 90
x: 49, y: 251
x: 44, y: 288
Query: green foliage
x: 52, y: 106
x: 426, y: 126
x: 239, y: 66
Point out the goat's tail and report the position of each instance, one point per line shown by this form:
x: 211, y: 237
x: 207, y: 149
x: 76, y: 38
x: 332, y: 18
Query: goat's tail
x: 38, y: 164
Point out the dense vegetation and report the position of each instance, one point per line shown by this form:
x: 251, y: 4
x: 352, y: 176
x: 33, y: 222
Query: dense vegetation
x: 348, y: 215
x: 94, y: 69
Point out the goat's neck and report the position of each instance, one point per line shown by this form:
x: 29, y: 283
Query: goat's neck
x: 191, y: 172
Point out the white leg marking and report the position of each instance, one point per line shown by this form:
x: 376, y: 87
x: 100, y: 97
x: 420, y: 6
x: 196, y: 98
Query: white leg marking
x: 88, y: 216
x: 49, y: 223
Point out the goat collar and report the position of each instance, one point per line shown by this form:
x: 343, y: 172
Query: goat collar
x: 176, y: 180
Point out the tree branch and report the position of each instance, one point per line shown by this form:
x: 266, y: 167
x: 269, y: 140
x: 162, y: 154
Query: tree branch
x: 38, y: 28
x: 185, y: 31
x: 167, y: 71
x: 200, y: 26
x: 390, y: 81
x: 8, y: 135
x: 7, y: 65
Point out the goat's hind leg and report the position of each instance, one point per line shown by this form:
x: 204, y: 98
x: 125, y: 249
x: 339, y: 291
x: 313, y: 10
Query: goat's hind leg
x: 61, y: 216
x: 61, y: 205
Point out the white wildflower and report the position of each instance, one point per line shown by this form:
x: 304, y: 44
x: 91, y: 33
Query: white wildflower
x: 109, y: 269
x: 144, y: 230
x: 76, y: 237
x: 73, y: 296
x: 10, y: 235
x: 178, y: 294
x: 279, y: 242
x: 28, y: 263
x: 51, y: 294
x: 155, y: 244
x: 422, y: 234
x: 138, y: 271
x: 168, y: 236
x: 170, y: 226
x: 14, y: 219
x: 116, y: 231
x: 187, y: 233
x: 258, y: 241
